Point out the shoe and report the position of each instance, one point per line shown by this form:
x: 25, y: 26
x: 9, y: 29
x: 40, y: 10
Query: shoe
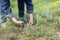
x: 3, y: 25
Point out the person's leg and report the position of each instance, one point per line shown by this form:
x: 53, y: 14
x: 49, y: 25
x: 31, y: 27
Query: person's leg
x: 5, y: 9
x: 0, y: 12
x: 21, y: 8
x: 29, y: 7
x: 6, y: 12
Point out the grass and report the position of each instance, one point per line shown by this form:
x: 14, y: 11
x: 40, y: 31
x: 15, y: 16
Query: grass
x: 46, y: 22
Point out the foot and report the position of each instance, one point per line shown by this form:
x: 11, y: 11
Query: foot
x: 31, y: 22
x: 31, y: 19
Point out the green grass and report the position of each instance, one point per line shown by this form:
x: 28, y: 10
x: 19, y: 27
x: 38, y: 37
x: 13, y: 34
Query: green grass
x: 46, y: 22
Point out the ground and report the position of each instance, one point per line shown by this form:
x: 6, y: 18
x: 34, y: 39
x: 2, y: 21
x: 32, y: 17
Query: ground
x: 46, y: 22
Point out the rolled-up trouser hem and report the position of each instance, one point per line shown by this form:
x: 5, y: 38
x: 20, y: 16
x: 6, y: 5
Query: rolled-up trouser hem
x: 10, y: 16
x: 3, y: 18
x: 30, y: 12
